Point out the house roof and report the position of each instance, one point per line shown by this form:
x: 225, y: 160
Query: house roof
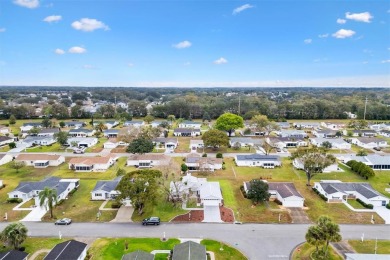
x: 364, y: 131
x: 285, y: 189
x: 138, y: 255
x: 165, y: 140
x: 35, y: 157
x: 30, y: 139
x: 246, y: 140
x: 320, y: 140
x: 210, y: 189
x: 189, y: 251
x: 327, y: 132
x: 49, y: 130
x: 257, y: 157
x: 293, y: 132
x: 368, y: 140
x: 191, y: 123
x: 371, y: 159
x: 111, y: 131
x: 80, y: 130
x: 74, y: 123
x: 365, y: 189
x: 133, y: 122
x: 51, y: 182
x: 81, y: 139
x: 67, y: 250
x: 107, y: 185
x: 286, y: 139
x: 32, y: 124
x: 154, y: 157
x: 385, y: 131
x: 13, y: 255
x: 186, y: 130
x: 195, y: 158
x: 90, y: 160
x: 5, y: 138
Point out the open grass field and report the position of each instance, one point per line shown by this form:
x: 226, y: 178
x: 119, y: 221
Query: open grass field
x: 368, y: 246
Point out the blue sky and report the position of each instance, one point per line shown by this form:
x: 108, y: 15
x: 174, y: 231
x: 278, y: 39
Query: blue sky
x: 195, y: 43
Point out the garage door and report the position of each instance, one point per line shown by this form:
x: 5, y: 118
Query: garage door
x: 293, y: 203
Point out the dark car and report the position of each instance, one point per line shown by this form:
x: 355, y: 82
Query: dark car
x: 63, y: 221
x: 151, y: 221
x: 377, y: 148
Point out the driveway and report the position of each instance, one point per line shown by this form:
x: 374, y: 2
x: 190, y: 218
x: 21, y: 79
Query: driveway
x: 343, y: 248
x: 384, y: 213
x: 124, y: 215
x: 36, y: 214
x: 212, y: 214
x: 299, y: 216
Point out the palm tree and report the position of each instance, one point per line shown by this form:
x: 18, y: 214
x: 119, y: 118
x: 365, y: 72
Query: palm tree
x: 14, y: 234
x: 48, y: 197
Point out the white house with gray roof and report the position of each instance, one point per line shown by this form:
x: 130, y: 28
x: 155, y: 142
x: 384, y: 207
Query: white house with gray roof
x: 337, y: 191
x: 83, y: 141
x: 253, y: 160
x: 187, y: 132
x: 74, y: 124
x: 111, y: 133
x: 286, y: 142
x: 81, y: 132
x: 362, y: 133
x: 245, y: 141
x: 105, y: 190
x: 190, y: 124
x: 375, y: 161
x: 284, y: 192
x: 307, y: 125
x: 292, y: 133
x: 337, y: 143
x: 369, y: 142
x: 30, y: 141
x: 326, y: 133
x: 166, y: 142
x: 134, y: 123
x: 48, y: 131
x: 385, y: 133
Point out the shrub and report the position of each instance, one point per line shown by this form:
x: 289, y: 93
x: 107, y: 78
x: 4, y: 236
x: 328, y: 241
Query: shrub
x: 204, y: 155
x: 115, y: 205
x: 14, y: 200
x: 278, y: 202
x: 223, y: 167
x: 184, y: 167
x: 60, y: 202
x: 388, y: 206
x: 247, y: 131
x: 320, y: 194
x: 219, y: 155
x: 368, y: 206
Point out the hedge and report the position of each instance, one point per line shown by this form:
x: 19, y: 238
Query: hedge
x: 388, y: 206
x: 368, y: 206
x: 322, y: 196
x: 14, y: 200
x: 361, y: 169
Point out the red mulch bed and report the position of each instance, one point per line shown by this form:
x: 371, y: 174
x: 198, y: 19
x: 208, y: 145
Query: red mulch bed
x: 198, y: 216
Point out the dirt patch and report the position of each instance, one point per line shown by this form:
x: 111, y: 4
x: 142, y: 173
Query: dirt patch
x: 119, y: 150
x: 96, y: 150
x: 198, y: 216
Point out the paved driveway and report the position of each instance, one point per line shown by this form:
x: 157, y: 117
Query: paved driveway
x: 299, y: 216
x: 212, y: 214
x: 124, y: 214
x: 36, y: 214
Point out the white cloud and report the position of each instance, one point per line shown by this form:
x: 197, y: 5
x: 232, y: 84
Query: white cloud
x: 242, y: 8
x: 343, y: 33
x: 77, y: 49
x: 182, y: 45
x: 220, y: 61
x: 359, y: 17
x: 308, y: 41
x: 325, y: 35
x: 89, y: 25
x: 52, y: 18
x: 341, y: 21
x: 385, y: 61
x: 2, y: 30
x: 27, y: 3
x: 59, y: 51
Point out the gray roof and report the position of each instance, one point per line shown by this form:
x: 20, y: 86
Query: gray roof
x: 189, y: 251
x: 285, y: 189
x: 372, y: 159
x: 111, y: 131
x: 5, y: 138
x: 365, y: 189
x: 84, y: 130
x: 385, y: 131
x: 107, y: 185
x: 186, y: 130
x: 165, y: 140
x: 191, y: 123
x: 37, y: 138
x: 133, y: 122
x: 368, y: 140
x: 68, y: 250
x: 327, y: 131
x: 320, y: 140
x: 49, y: 130
x: 286, y: 139
x: 13, y: 255
x: 51, y: 182
x: 74, y: 123
x: 32, y: 124
x: 257, y: 157
x: 138, y: 255
x: 246, y: 140
x: 364, y: 131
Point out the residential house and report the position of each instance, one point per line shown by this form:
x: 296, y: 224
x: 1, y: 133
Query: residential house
x: 375, y: 161
x: 283, y: 125
x: 28, y: 189
x: 107, y: 124
x: 351, y: 115
x: 114, y: 143
x: 337, y: 191
x: 30, y: 141
x: 105, y: 190
x: 327, y: 133
x: 385, y: 133
x: 210, y: 195
x: 287, y: 142
x: 298, y: 164
x: 82, y: 141
x: 48, y: 131
x: 252, y: 160
x: 369, y: 142
x: 5, y: 158
x: 195, y: 162
x: 4, y: 130
x: 157, y: 123
x: 74, y: 124
x: 29, y: 126
x: 245, y: 141
x: 307, y: 125
x: 292, y: 133
x: 186, y: 132
x: 187, y: 185
x: 166, y: 142
x: 138, y: 255
x: 196, y: 144
x: 81, y: 132
x: 148, y: 160
x: 40, y: 160
x: 5, y: 140
x: 68, y: 250
x: 361, y: 133
x: 333, y: 126
x: 134, y: 123
x: 91, y: 164
x: 111, y: 133
x: 356, y: 256
x: 189, y: 251
x: 13, y: 255
x: 337, y: 143
x: 379, y: 127
x: 190, y: 124
x: 284, y: 192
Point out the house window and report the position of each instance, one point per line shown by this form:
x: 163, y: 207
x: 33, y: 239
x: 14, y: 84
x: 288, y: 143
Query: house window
x: 16, y: 196
x: 98, y: 194
x: 383, y: 203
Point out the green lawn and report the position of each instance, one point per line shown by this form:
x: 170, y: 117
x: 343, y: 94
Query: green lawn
x: 368, y: 246
x: 56, y: 147
x: 355, y: 204
x: 305, y: 251
x: 227, y: 252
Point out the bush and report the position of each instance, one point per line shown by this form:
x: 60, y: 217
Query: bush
x: 361, y: 169
x: 60, y: 202
x: 223, y: 167
x: 320, y: 194
x: 115, y: 205
x: 204, y: 155
x: 243, y: 191
x: 388, y: 206
x: 184, y: 167
x: 367, y: 206
x: 14, y: 200
x: 219, y: 155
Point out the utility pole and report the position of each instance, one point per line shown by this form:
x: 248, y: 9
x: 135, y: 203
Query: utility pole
x: 365, y: 109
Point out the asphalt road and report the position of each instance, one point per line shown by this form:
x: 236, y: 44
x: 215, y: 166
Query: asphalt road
x: 256, y: 241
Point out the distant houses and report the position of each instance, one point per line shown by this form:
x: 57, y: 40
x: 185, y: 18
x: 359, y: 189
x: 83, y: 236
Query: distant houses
x: 195, y: 162
x: 148, y: 160
x: 91, y: 164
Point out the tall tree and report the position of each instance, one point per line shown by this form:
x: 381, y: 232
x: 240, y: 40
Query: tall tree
x: 260, y: 123
x: 140, y: 145
x: 48, y: 198
x: 62, y: 137
x: 229, y: 122
x: 14, y: 234
x: 149, y: 118
x: 17, y: 165
x: 215, y: 138
x: 313, y: 160
x: 258, y: 191
x: 46, y: 122
x: 12, y: 120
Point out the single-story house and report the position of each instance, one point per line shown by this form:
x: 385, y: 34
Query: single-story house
x: 251, y: 131
x: 285, y: 192
x: 148, y: 160
x: 82, y: 141
x: 134, y: 123
x: 337, y: 191
x: 307, y: 125
x: 195, y: 162
x: 337, y: 143
x: 350, y: 115
x: 40, y: 160
x: 298, y: 164
x: 38, y: 140
x: 13, y: 255
x: 5, y: 140
x: 375, y: 161
x: 195, y: 144
x: 68, y: 250
x: 333, y: 126
x: 385, y: 133
x: 210, y: 194
x: 190, y: 124
x: 189, y: 251
x: 356, y: 256
x: 81, y: 132
x: 369, y: 142
x: 74, y: 124
x: 4, y: 130
x: 48, y: 131
x: 326, y: 133
x: 106, y: 189
x: 379, y: 127
x: 283, y: 125
x: 107, y: 124
x: 186, y: 132
x: 29, y: 189
x: 166, y: 142
x: 265, y: 161
x: 5, y: 158
x: 91, y: 164
x: 158, y: 123
x: 292, y: 133
x: 187, y: 184
x: 113, y: 143
x: 29, y: 126
x: 362, y: 133
x: 245, y: 141
x: 111, y: 133
x: 286, y: 142
x: 138, y: 255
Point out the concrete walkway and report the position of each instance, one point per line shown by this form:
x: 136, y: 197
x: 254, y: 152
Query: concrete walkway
x: 102, y: 207
x: 384, y: 213
x: 36, y: 214
x: 124, y: 215
x: 37, y: 253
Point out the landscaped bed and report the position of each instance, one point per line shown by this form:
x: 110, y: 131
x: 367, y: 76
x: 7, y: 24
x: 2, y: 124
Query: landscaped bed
x: 303, y: 252
x: 198, y: 216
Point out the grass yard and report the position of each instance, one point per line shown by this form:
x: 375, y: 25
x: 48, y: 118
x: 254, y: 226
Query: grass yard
x: 355, y: 204
x: 98, y: 147
x: 56, y: 147
x: 368, y: 246
x: 227, y: 252
x: 163, y: 209
x: 306, y: 250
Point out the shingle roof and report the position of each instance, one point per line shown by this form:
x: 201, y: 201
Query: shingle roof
x: 138, y: 255
x: 68, y: 250
x: 257, y: 157
x: 83, y: 130
x: 246, y: 140
x: 165, y: 140
x: 195, y: 158
x: 51, y: 182
x: 5, y: 138
x: 49, y: 130
x: 90, y: 160
x: 34, y: 157
x: 285, y: 189
x: 111, y: 131
x: 210, y: 189
x: 13, y: 255
x: 107, y: 185
x: 365, y: 189
x: 189, y: 251
x: 153, y: 157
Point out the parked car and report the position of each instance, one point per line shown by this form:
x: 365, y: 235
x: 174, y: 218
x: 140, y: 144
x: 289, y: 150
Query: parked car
x: 377, y: 148
x: 151, y: 221
x: 63, y: 221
